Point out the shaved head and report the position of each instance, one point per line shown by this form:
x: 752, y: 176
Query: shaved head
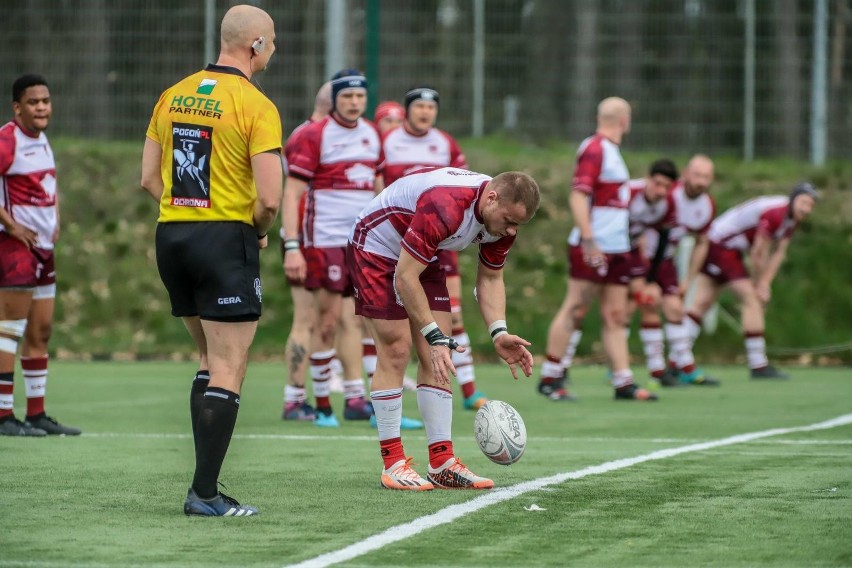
x: 700, y: 162
x: 322, y: 102
x: 242, y: 25
x: 612, y: 110
x: 698, y: 175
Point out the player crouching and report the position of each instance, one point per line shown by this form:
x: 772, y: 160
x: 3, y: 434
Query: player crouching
x: 403, y: 298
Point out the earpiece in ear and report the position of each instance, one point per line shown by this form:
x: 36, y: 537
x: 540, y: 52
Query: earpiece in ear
x: 258, y: 45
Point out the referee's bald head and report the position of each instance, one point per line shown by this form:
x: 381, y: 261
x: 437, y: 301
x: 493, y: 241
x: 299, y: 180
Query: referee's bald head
x: 242, y: 25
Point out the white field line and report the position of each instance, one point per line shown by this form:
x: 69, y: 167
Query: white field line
x: 453, y: 512
x: 372, y: 438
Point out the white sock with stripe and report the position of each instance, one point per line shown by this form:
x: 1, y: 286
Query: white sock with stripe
x: 436, y: 407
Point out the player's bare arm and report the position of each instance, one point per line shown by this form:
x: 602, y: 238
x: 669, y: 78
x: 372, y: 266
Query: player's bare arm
x: 763, y: 284
x: 696, y: 261
x: 55, y: 237
x: 759, y: 255
x: 294, y: 263
x: 379, y: 184
x: 407, y: 282
x: 152, y: 179
x: 592, y: 255
x: 268, y: 177
x: 491, y: 295
x: 18, y: 231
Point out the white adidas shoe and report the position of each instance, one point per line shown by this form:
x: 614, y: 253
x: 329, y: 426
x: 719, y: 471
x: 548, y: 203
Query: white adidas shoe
x: 401, y: 476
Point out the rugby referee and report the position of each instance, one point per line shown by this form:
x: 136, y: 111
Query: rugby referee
x: 212, y: 159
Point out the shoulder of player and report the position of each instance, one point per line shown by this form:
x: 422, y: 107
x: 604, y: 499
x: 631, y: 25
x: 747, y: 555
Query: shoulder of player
x: 294, y: 135
x: 447, y: 203
x: 367, y: 122
x: 255, y: 101
x: 462, y: 196
x: 311, y: 130
x: 636, y: 186
x: 773, y: 205
x: 8, y: 144
x: 777, y: 209
x: 435, y: 131
x: 592, y: 144
x: 7, y: 131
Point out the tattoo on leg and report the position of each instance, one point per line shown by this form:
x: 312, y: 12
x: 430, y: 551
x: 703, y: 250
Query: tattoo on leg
x: 297, y: 357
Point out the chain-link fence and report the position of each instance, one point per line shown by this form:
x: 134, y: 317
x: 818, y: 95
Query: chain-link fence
x: 683, y: 64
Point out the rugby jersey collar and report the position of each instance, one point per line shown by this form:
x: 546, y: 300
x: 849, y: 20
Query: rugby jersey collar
x: 339, y: 121
x: 412, y: 133
x: 34, y: 134
x: 476, y: 212
x: 225, y: 69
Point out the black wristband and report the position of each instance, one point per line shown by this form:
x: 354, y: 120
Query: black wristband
x: 261, y: 237
x: 497, y: 330
x: 291, y: 244
x: 437, y: 337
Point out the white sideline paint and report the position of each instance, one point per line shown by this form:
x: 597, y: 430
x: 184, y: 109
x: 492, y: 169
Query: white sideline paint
x: 453, y: 512
x: 372, y: 438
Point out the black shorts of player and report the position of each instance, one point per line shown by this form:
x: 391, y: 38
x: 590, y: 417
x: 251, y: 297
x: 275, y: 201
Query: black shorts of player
x: 211, y: 269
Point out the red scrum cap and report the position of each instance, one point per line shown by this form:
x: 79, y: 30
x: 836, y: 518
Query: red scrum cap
x: 389, y: 108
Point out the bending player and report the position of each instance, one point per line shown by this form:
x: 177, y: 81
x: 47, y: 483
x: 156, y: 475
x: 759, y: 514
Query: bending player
x: 402, y: 295
x: 762, y: 227
x: 413, y: 146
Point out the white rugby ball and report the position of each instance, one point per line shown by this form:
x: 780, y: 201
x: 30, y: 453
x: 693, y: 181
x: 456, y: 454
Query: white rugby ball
x: 500, y: 432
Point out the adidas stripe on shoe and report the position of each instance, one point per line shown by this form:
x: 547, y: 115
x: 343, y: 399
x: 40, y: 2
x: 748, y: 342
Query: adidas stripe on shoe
x: 219, y: 506
x: 401, y: 476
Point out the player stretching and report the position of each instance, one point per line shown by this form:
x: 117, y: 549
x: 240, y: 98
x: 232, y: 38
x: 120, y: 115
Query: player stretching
x: 762, y: 226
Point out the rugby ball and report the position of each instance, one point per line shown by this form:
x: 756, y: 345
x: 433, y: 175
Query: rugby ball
x: 500, y: 432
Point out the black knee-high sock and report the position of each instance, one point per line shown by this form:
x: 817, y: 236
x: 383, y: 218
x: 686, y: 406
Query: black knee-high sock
x: 216, y: 419
x: 196, y: 395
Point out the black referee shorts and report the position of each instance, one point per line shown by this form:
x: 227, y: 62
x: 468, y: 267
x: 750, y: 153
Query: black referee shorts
x: 211, y: 269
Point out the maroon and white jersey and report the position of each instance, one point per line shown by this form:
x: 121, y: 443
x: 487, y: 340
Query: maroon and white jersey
x: 28, y: 182
x: 737, y: 227
x: 406, y: 153
x: 428, y: 211
x: 601, y: 173
x: 339, y: 163
x: 687, y: 215
x: 290, y: 146
x: 643, y: 214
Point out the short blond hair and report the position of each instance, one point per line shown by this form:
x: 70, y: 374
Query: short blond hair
x: 518, y: 187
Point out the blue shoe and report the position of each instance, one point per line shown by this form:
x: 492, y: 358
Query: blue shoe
x: 697, y: 377
x: 326, y: 420
x: 475, y: 401
x: 219, y: 506
x: 410, y: 424
x: 405, y: 423
x: 358, y: 409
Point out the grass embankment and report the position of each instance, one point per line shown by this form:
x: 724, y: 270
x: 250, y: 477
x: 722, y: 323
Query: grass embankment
x: 111, y: 301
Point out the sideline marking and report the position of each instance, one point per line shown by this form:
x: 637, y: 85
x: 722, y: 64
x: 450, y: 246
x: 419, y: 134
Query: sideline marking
x: 372, y: 438
x: 453, y: 512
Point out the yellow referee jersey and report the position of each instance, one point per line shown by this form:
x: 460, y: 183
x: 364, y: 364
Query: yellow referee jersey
x: 209, y: 126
